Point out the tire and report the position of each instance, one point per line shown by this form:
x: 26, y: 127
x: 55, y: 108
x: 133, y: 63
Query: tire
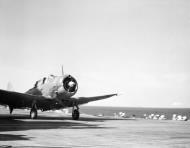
x: 33, y: 114
x: 75, y: 114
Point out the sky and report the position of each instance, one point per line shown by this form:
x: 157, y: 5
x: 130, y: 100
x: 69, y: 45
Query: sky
x: 139, y: 49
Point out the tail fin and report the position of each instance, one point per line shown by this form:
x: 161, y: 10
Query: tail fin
x: 10, y: 86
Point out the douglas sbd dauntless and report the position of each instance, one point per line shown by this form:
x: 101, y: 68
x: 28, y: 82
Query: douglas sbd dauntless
x: 49, y: 93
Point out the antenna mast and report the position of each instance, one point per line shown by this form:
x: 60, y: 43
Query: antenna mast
x: 62, y: 70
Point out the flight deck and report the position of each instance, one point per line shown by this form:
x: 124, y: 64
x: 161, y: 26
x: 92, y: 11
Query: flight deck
x: 57, y: 130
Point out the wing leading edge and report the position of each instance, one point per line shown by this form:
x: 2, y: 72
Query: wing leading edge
x: 84, y: 100
x: 22, y: 100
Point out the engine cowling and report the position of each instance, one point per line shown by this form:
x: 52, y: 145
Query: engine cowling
x: 70, y: 85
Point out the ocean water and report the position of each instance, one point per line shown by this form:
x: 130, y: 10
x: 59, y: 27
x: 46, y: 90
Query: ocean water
x: 135, y: 111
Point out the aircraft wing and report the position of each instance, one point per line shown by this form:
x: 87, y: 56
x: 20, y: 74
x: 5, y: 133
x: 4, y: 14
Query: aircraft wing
x: 22, y: 100
x: 84, y: 100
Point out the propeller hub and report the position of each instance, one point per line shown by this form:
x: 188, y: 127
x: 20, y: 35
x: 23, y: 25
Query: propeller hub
x: 70, y: 84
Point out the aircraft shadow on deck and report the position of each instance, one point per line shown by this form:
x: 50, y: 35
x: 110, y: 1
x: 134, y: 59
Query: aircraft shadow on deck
x: 11, y: 137
x: 17, y: 122
x: 23, y: 123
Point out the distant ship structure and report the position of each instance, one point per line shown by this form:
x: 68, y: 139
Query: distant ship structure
x: 151, y: 116
x: 179, y: 117
x: 163, y: 117
x: 120, y: 114
x: 124, y: 115
x: 117, y: 115
x: 155, y: 117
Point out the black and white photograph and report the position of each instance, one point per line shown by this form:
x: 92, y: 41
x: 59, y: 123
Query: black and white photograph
x: 94, y: 73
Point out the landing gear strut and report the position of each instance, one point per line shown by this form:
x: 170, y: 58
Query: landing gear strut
x: 10, y: 109
x: 75, y: 113
x: 33, y: 113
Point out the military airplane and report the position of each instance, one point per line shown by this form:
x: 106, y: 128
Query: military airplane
x: 48, y: 93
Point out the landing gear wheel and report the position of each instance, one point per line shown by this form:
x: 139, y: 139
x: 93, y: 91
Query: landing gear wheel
x: 75, y: 114
x: 33, y: 114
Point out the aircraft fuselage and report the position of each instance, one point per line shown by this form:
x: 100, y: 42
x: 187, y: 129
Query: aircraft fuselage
x: 55, y: 86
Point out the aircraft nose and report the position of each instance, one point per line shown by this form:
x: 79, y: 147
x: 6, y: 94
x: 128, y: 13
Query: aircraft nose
x: 70, y: 84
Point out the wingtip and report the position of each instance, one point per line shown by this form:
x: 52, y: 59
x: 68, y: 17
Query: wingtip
x: 114, y: 94
x: 119, y: 94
